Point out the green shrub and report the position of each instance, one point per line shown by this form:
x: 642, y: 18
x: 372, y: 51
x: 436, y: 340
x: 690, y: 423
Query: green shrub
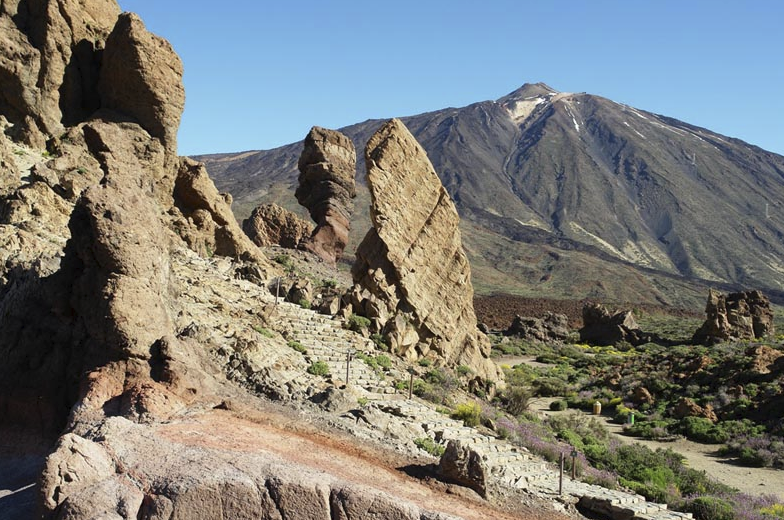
x: 559, y: 405
x: 464, y: 370
x: 429, y: 445
x: 380, y: 341
x: 711, y: 508
x: 701, y: 429
x: 264, y: 332
x: 299, y: 347
x: 383, y: 361
x: 305, y: 304
x: 469, y: 413
x: 424, y: 362
x: 516, y: 399
x: 318, y: 368
x: 357, y: 322
x: 550, y: 387
x: 362, y: 401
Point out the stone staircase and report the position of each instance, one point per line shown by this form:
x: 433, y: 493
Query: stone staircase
x: 326, y: 340
x: 511, y: 466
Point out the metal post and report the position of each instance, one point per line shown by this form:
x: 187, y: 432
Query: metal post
x: 277, y: 291
x: 574, y: 464
x: 410, y: 385
x: 560, y: 475
x: 348, y: 366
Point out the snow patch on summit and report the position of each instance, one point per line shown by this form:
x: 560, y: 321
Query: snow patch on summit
x: 521, y: 109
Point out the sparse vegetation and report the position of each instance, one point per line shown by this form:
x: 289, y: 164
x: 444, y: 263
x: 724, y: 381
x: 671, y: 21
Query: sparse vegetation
x: 318, y: 368
x: 264, y: 331
x: 299, y: 347
x: 430, y: 446
x: 469, y: 413
x: 305, y: 304
x: 356, y: 322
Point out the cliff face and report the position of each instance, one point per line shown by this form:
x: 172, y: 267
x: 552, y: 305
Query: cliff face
x: 412, y: 260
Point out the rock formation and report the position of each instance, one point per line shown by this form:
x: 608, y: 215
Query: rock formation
x: 326, y: 188
x: 411, y: 264
x: 601, y: 327
x: 270, y: 225
x: 741, y: 315
x: 550, y: 327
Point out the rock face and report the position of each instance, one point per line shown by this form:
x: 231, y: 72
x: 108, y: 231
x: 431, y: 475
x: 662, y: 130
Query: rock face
x: 326, y: 188
x: 550, y: 327
x: 49, y: 63
x: 464, y: 466
x: 741, y: 315
x: 411, y: 264
x: 601, y: 327
x: 269, y: 225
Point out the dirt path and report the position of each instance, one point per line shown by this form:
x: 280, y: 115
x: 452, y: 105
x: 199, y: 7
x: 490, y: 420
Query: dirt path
x: 702, y: 457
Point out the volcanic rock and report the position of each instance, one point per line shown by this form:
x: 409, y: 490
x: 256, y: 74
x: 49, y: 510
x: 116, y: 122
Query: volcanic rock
x: 269, y: 225
x: 601, y: 327
x: 49, y: 63
x: 741, y: 315
x: 688, y: 408
x: 326, y: 188
x: 141, y: 77
x: 464, y: 466
x: 764, y: 359
x: 550, y: 327
x: 412, y: 260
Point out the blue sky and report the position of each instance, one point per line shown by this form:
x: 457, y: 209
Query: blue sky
x: 259, y: 73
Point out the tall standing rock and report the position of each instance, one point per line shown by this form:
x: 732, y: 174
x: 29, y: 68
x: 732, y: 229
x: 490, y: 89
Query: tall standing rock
x: 412, y: 261
x: 741, y: 315
x: 141, y: 76
x: 326, y: 188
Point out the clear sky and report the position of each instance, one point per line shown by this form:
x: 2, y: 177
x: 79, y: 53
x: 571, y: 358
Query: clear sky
x: 260, y: 73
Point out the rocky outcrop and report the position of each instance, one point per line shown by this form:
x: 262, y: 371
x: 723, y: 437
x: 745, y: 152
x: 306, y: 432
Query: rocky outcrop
x: 688, y: 408
x: 462, y: 465
x: 550, y: 327
x: 49, y: 63
x: 602, y: 327
x: 269, y: 225
x: 765, y: 360
x: 411, y: 266
x: 741, y: 315
x: 326, y: 188
x: 141, y: 76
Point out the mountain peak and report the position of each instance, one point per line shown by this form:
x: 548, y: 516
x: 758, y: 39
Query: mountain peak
x: 529, y: 91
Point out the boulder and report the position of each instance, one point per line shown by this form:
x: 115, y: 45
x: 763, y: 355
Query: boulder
x: 741, y: 315
x: 550, y: 327
x: 764, y: 359
x: 412, y: 260
x: 326, y: 188
x: 642, y: 395
x: 602, y: 327
x: 688, y: 408
x: 271, y: 225
x: 462, y: 465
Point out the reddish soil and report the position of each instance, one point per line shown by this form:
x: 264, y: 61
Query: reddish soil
x: 497, y: 311
x: 340, y: 456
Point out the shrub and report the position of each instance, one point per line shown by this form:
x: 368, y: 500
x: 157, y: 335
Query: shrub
x: 711, y: 508
x: 305, y: 304
x: 550, y: 387
x: 264, y: 332
x: 299, y: 347
x: 558, y: 406
x: 429, y: 445
x: 380, y: 341
x: 701, y: 429
x: 318, y: 368
x: 469, y: 413
x: 516, y: 399
x: 357, y: 322
x: 362, y: 401
x: 424, y: 362
x: 464, y: 370
x: 383, y: 361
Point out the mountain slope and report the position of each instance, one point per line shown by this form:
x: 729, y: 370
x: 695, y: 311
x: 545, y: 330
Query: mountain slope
x: 623, y: 204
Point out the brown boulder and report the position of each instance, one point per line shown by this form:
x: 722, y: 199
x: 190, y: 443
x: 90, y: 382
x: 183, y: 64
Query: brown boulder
x: 141, y: 77
x: 764, y: 358
x: 550, y: 327
x: 412, y: 261
x: 464, y: 466
x: 741, y: 315
x: 641, y: 395
x: 601, y: 327
x: 271, y: 225
x: 688, y: 408
x: 326, y: 188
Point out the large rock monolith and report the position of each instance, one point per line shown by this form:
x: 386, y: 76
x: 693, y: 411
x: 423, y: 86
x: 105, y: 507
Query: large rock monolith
x: 412, y: 261
x: 740, y: 315
x: 326, y: 188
